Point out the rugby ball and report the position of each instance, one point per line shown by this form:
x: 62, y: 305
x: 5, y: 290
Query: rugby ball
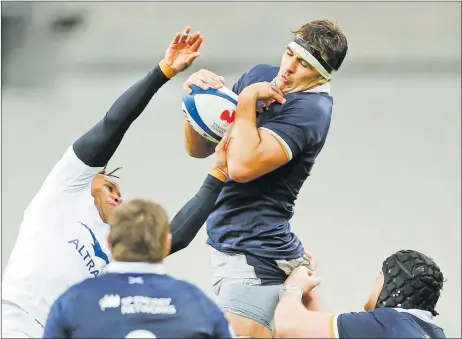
x: 210, y: 112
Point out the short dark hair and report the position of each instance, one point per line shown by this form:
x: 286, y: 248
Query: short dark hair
x: 327, y: 38
x: 412, y: 280
x: 139, y: 230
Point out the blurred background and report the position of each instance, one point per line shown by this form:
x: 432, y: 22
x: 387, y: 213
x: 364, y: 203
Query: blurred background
x: 387, y: 179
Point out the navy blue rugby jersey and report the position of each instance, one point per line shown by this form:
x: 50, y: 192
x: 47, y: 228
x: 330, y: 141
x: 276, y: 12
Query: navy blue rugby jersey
x: 253, y: 217
x: 386, y: 323
x: 135, y: 300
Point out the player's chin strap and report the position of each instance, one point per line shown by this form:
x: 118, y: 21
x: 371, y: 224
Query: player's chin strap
x: 314, y: 58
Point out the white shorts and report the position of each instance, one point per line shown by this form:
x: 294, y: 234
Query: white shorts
x: 17, y: 323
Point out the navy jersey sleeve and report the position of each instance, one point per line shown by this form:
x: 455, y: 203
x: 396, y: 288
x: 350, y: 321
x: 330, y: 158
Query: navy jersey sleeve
x: 301, y: 124
x: 359, y: 325
x: 258, y: 73
x: 222, y: 329
x: 189, y: 220
x: 56, y: 326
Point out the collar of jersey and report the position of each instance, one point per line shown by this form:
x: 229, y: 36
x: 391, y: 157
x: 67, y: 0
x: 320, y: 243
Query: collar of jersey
x: 135, y: 267
x: 324, y: 88
x: 421, y: 314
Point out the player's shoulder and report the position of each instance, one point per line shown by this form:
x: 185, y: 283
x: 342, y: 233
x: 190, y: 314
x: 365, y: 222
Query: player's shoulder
x: 263, y: 68
x: 261, y: 72
x: 318, y: 99
x: 75, y: 292
x: 186, y: 286
x: 380, y: 316
x: 386, y: 312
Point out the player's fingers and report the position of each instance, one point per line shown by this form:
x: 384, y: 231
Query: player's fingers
x: 187, y: 87
x: 309, y: 255
x: 212, y: 81
x: 219, y: 149
x: 278, y: 96
x: 207, y: 77
x: 198, y: 79
x: 197, y: 44
x: 222, y: 79
x: 225, y: 141
x: 192, y: 39
x: 315, y: 281
x: 190, y: 59
x: 185, y: 34
x: 176, y: 38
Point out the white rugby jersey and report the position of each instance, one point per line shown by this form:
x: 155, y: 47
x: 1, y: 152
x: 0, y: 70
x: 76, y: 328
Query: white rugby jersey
x: 61, y: 241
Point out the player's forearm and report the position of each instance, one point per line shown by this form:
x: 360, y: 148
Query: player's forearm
x: 196, y: 145
x: 96, y: 147
x: 290, y: 317
x: 243, y: 149
x: 189, y: 220
x: 313, y: 302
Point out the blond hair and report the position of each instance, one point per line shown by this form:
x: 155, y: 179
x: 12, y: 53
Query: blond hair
x: 139, y: 230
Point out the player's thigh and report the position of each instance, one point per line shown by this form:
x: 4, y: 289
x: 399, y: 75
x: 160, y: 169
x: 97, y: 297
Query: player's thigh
x: 249, y: 306
x: 16, y: 323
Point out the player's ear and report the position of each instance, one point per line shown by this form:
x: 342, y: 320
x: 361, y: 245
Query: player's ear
x: 168, y: 244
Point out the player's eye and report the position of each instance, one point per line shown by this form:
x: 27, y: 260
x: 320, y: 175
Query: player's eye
x: 289, y: 52
x: 304, y: 63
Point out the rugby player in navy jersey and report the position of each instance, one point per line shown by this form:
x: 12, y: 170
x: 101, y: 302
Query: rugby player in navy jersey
x: 135, y: 298
x: 401, y: 304
x: 270, y: 156
x: 66, y: 222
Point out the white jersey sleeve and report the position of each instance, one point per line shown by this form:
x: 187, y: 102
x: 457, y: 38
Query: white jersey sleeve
x: 69, y: 174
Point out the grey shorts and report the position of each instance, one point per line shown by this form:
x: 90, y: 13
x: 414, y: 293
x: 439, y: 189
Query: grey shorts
x: 240, y: 290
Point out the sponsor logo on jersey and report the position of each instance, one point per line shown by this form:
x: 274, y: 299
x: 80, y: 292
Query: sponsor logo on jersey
x: 87, y: 257
x: 137, y: 304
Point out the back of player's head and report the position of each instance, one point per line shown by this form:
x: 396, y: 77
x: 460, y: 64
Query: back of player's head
x: 411, y: 281
x: 140, y: 232
x: 325, y: 38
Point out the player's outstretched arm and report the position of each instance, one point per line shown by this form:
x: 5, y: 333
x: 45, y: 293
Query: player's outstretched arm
x: 189, y: 220
x: 96, y: 147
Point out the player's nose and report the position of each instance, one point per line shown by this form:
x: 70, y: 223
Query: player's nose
x: 114, y: 199
x: 291, y: 65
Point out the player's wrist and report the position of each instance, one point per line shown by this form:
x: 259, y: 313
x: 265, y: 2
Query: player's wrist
x: 165, y: 67
x: 219, y: 174
x: 248, y: 94
x: 291, y: 290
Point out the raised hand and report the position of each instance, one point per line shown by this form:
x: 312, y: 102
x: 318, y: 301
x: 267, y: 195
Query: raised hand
x: 183, y: 50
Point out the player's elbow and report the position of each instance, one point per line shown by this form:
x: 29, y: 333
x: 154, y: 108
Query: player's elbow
x: 198, y: 152
x: 240, y: 173
x: 196, y: 146
x: 284, y: 328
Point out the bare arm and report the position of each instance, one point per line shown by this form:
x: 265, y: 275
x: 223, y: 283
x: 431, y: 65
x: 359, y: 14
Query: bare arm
x: 292, y: 319
x: 253, y: 152
x: 196, y: 145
